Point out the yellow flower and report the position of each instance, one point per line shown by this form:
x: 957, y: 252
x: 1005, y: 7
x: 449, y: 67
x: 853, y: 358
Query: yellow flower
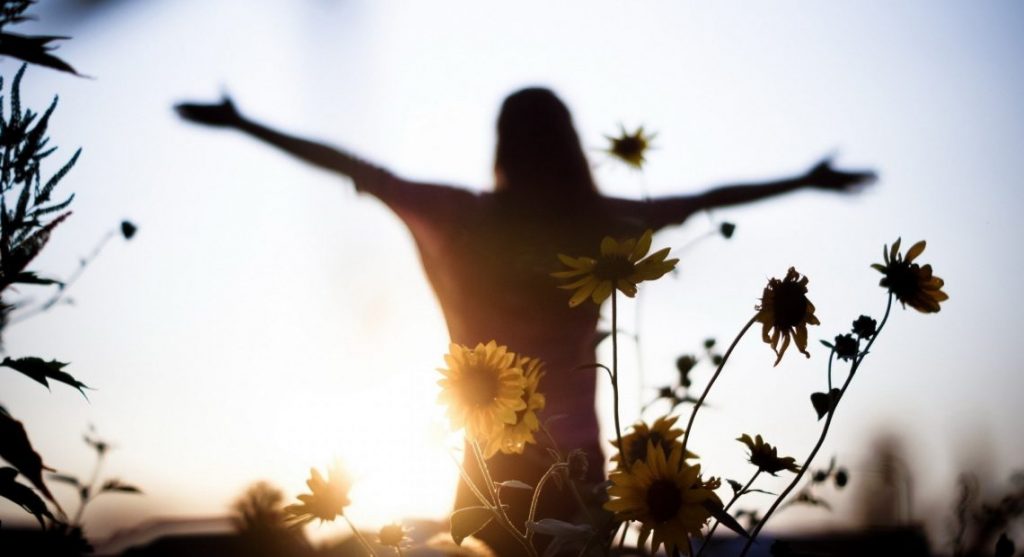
x: 909, y: 282
x: 512, y: 438
x: 630, y: 148
x: 392, y: 535
x: 785, y: 308
x: 766, y: 457
x: 660, y: 435
x: 621, y: 265
x: 326, y: 500
x: 483, y: 388
x: 667, y: 496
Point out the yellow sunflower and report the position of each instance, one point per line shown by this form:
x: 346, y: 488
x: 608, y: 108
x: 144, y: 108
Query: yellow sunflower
x: 630, y: 147
x: 512, y: 438
x: 785, y: 308
x: 621, y: 265
x: 666, y: 496
x: 911, y: 283
x: 660, y: 435
x: 483, y: 388
x: 326, y: 500
x: 766, y: 457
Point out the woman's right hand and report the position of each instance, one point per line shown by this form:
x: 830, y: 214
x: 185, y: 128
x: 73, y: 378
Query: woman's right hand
x: 222, y: 114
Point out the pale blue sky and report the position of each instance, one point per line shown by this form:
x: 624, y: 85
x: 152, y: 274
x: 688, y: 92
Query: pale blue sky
x: 266, y: 318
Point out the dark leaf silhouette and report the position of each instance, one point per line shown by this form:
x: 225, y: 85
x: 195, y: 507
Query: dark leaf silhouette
x: 41, y: 371
x: 1005, y: 546
x: 468, y: 521
x: 718, y: 511
x: 22, y: 495
x: 34, y: 50
x: 825, y: 403
x: 17, y: 450
x: 28, y: 277
x: 118, y: 487
x: 735, y: 485
x: 64, y: 478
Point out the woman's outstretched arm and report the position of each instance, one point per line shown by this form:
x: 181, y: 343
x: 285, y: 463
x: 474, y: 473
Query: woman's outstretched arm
x: 224, y: 115
x: 667, y: 211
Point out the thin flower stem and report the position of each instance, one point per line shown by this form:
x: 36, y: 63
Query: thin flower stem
x: 499, y: 511
x: 615, y: 378
x: 831, y: 356
x: 536, y: 496
x: 399, y: 550
x: 366, y: 545
x: 824, y: 432
x: 469, y: 482
x: 700, y: 401
x: 735, y: 497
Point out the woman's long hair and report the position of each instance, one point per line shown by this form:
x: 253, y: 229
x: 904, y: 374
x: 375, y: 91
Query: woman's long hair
x: 538, y: 152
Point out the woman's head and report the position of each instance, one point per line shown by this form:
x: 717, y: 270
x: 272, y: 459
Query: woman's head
x: 538, y: 150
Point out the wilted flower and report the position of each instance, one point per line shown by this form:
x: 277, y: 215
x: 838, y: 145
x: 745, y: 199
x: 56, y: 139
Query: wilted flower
x: 785, y: 308
x: 847, y: 347
x: 483, y: 388
x: 661, y: 435
x: 630, y: 147
x: 911, y: 283
x: 512, y: 438
x: 621, y: 266
x: 864, y: 326
x: 666, y: 496
x: 766, y: 457
x: 327, y: 499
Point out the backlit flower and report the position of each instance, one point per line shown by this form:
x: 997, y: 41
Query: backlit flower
x: 912, y: 284
x: 786, y: 309
x: 666, y: 496
x: 326, y: 500
x: 512, y: 438
x: 630, y: 147
x: 483, y: 388
x: 621, y: 265
x: 847, y: 347
x: 864, y: 326
x: 392, y: 535
x: 660, y: 435
x: 766, y: 457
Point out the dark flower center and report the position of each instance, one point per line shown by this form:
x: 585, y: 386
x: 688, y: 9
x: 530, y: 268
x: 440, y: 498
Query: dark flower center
x: 613, y: 267
x: 902, y: 280
x: 790, y: 305
x: 629, y: 146
x: 480, y: 386
x: 664, y: 500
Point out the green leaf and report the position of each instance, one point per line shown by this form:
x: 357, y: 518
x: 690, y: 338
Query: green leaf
x: 17, y: 450
x: 718, y: 511
x: 827, y: 344
x: 41, y: 370
x: 22, y: 495
x: 468, y: 521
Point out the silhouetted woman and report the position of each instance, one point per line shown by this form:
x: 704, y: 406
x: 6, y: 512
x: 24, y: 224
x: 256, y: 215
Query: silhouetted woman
x: 489, y: 256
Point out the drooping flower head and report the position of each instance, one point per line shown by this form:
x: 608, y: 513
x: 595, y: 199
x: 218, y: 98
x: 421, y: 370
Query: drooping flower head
x: 327, y: 499
x: 785, y: 308
x: 766, y: 457
x: 912, y: 284
x: 512, y: 438
x: 621, y: 265
x: 660, y: 435
x: 630, y: 147
x: 482, y: 388
x: 666, y: 496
